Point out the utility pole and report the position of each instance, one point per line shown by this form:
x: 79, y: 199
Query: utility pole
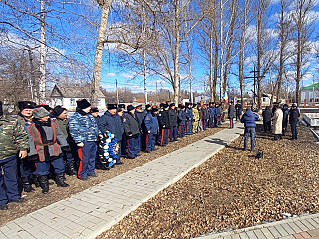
x: 179, y: 86
x: 204, y: 91
x: 255, y: 86
x: 117, y: 92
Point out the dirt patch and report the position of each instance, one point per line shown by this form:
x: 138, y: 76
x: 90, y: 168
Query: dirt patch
x: 232, y: 190
x: 37, y: 200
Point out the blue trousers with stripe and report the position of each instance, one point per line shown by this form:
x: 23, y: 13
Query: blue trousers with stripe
x: 87, y: 155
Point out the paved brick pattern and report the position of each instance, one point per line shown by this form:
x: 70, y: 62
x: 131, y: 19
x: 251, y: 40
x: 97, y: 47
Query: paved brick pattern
x: 89, y: 213
x: 293, y: 228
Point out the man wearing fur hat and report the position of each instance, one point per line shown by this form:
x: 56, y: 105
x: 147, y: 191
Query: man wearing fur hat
x: 189, y: 119
x: 85, y: 133
x: 151, y: 124
x: 173, y: 122
x: 112, y: 122
x: 13, y: 141
x: 26, y: 168
x: 61, y: 116
x: 163, y: 122
x: 46, y: 141
x: 132, y: 131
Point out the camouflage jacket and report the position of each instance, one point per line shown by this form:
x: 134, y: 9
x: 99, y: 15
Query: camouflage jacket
x: 13, y: 137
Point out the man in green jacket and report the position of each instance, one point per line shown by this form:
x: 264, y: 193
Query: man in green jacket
x: 13, y: 140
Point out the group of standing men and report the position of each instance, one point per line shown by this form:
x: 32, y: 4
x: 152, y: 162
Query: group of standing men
x: 41, y: 141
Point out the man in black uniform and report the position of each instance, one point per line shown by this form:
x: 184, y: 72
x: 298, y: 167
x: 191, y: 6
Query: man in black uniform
x: 132, y: 131
x: 173, y: 122
x: 163, y: 121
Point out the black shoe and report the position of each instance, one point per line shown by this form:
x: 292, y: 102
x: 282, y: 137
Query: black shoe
x: 148, y: 151
x: 121, y: 162
x: 60, y: 180
x: 94, y: 175
x: 44, y: 183
x: 130, y: 157
x: 138, y: 155
x: 19, y: 200
x: 85, y: 179
x: 33, y: 179
x: 26, y: 185
x: 4, y: 207
x: 70, y: 170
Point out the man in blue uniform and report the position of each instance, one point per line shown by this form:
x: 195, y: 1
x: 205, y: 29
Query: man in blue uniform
x: 181, y: 121
x: 163, y: 121
x: 151, y: 125
x: 173, y: 122
x: 211, y: 112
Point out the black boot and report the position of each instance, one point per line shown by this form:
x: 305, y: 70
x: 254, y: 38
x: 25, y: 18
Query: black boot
x: 70, y: 170
x: 26, y: 185
x: 60, y: 180
x: 33, y: 179
x: 44, y: 183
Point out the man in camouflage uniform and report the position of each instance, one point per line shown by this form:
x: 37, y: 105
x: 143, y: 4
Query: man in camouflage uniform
x: 13, y: 140
x: 195, y: 118
x: 26, y: 168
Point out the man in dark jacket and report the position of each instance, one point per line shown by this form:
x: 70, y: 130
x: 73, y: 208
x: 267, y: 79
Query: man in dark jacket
x: 151, y: 125
x: 181, y: 121
x: 189, y: 119
x: 47, y: 141
x: 140, y: 115
x: 249, y: 119
x: 112, y: 122
x: 211, y: 112
x: 13, y: 141
x: 216, y: 114
x: 173, y: 122
x: 61, y: 116
x: 267, y: 119
x: 293, y: 120
x: 26, y: 168
x: 85, y: 133
x: 163, y: 122
x: 231, y: 114
x: 132, y: 131
x: 238, y: 109
x: 285, y: 112
x: 205, y: 116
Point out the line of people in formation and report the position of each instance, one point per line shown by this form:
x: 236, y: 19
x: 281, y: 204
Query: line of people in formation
x: 42, y: 142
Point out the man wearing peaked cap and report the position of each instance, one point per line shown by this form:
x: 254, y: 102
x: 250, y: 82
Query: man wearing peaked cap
x: 173, y: 122
x: 163, y: 122
x: 140, y: 115
x: 26, y: 168
x: 189, y: 119
x: 181, y: 121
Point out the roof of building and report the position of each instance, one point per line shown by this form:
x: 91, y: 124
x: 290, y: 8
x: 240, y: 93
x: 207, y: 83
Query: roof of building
x: 311, y: 87
x: 74, y: 91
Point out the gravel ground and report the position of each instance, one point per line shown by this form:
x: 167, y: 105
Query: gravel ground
x: 232, y: 190
x: 37, y: 200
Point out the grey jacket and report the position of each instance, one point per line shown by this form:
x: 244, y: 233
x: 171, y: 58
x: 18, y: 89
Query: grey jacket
x: 231, y: 112
x: 131, y: 125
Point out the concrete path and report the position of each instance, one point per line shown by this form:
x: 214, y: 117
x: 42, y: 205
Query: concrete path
x: 93, y: 211
x: 292, y: 228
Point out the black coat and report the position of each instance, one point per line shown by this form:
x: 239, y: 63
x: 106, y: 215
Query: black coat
x: 140, y: 117
x: 293, y: 116
x: 131, y: 126
x: 112, y: 123
x: 266, y: 115
x: 163, y: 119
x: 172, y: 117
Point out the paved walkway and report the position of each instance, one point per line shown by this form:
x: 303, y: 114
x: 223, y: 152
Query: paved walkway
x: 93, y: 211
x: 292, y: 228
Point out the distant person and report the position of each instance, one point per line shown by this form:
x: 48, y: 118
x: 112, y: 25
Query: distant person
x: 231, y: 114
x: 277, y: 122
x: 95, y: 112
x: 293, y: 120
x: 238, y: 109
x: 13, y: 141
x: 249, y: 119
x: 267, y: 119
x: 285, y: 112
x: 181, y: 121
x: 151, y: 124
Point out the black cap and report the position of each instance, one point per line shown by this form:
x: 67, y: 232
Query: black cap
x: 147, y: 106
x: 58, y: 110
x: 121, y: 106
x: 154, y: 108
x: 111, y: 106
x: 130, y: 107
x: 165, y: 105
x: 172, y: 104
x: 94, y: 110
x: 293, y: 105
x: 83, y: 104
x: 26, y: 105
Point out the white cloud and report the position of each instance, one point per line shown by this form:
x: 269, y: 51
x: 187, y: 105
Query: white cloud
x: 127, y: 75
x: 111, y: 74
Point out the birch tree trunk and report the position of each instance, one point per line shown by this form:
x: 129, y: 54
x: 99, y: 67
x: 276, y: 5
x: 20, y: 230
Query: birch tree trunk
x: 176, y: 52
x: 105, y: 5
x: 42, y: 81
